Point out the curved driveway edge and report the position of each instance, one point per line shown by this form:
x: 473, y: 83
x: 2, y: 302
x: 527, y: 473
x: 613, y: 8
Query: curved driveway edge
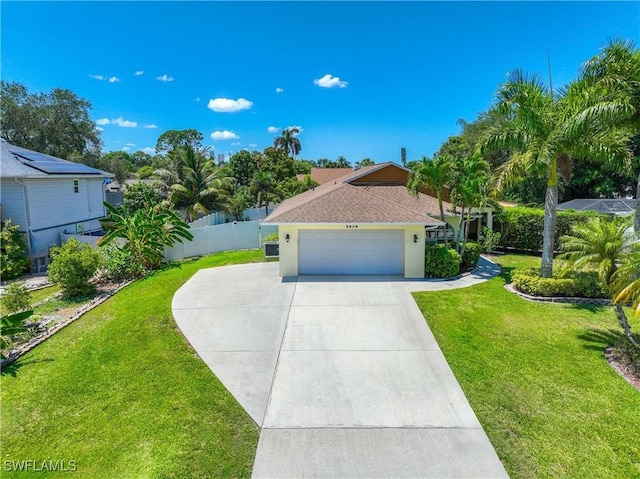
x: 342, y: 374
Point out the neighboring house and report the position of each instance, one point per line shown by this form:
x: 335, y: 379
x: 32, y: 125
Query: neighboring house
x: 365, y: 222
x: 47, y: 196
x: 612, y: 207
x: 325, y: 175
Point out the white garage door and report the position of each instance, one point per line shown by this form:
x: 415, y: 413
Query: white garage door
x: 351, y: 252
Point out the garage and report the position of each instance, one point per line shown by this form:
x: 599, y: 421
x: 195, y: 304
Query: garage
x: 351, y: 251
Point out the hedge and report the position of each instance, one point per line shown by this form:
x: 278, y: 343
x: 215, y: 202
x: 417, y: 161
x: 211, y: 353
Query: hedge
x: 578, y: 285
x: 471, y: 253
x: 441, y: 262
x: 521, y: 227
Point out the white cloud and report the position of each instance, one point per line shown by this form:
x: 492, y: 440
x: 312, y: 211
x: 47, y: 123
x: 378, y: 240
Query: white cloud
x: 151, y: 125
x: 124, y: 123
x: 279, y: 90
x: 114, y: 80
x: 165, y: 78
x: 298, y: 127
x: 227, y: 105
x: 131, y: 144
x: 197, y: 99
x: 99, y: 129
x: 329, y: 81
x: 252, y: 145
x: 236, y: 143
x: 103, y: 121
x: 224, y: 135
x: 149, y: 151
x: 273, y: 129
x: 97, y: 77
x: 139, y: 72
x: 126, y: 148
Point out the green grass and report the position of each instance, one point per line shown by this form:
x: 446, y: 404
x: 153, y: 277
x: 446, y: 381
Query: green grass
x: 536, y: 376
x: 121, y: 393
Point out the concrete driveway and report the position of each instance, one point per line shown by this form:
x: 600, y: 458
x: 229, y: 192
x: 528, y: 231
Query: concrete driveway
x: 342, y: 374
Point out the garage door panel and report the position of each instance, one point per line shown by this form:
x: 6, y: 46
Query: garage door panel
x: 351, y: 252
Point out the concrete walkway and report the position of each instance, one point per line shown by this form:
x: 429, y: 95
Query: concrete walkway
x: 342, y: 374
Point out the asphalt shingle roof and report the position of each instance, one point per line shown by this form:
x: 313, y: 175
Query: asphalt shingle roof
x: 341, y: 202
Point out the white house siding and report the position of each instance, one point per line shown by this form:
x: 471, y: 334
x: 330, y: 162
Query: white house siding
x: 53, y: 203
x: 12, y: 200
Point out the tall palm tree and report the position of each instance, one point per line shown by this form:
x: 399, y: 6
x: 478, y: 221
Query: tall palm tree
x: 545, y: 131
x: 617, y: 70
x: 433, y: 174
x: 604, y: 245
x: 264, y: 189
x: 197, y: 185
x: 288, y: 141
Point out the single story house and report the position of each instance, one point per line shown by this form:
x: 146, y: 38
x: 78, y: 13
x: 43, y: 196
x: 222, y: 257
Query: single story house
x: 612, y: 207
x: 46, y: 196
x: 364, y: 222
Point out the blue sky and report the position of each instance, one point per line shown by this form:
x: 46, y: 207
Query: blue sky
x: 361, y: 79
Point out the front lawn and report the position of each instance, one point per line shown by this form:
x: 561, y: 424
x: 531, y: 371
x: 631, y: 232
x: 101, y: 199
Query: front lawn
x: 536, y: 376
x: 122, y: 394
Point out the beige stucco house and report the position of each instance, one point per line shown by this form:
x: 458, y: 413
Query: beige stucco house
x: 364, y: 222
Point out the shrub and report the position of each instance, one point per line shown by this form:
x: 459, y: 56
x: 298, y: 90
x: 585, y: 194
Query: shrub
x: 16, y: 298
x: 471, y: 253
x: 73, y: 265
x: 581, y: 285
x: 140, y: 196
x: 521, y: 228
x: 489, y: 239
x: 117, y: 265
x: 441, y: 262
x: 13, y: 258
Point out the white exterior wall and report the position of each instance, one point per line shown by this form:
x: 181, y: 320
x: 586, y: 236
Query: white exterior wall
x: 413, y: 251
x: 53, y: 202
x: 13, y: 205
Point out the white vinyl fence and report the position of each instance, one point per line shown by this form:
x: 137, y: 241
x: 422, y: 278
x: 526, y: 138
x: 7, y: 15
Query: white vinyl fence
x: 220, y: 217
x: 222, y: 237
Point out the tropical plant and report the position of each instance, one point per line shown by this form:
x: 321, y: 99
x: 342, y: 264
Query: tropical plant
x: 117, y: 264
x: 197, y: 185
x: 145, y: 232
x: 489, y: 239
x: 264, y: 189
x: 288, y: 141
x: 13, y: 258
x: 545, y: 131
x: 137, y: 195
x: 12, y: 324
x: 469, y: 189
x: 432, y: 174
x: 73, y: 265
x: 626, y: 280
x: 16, y: 298
x: 617, y: 70
x: 603, y: 245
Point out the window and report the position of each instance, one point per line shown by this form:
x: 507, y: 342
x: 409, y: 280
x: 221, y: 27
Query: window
x: 76, y: 186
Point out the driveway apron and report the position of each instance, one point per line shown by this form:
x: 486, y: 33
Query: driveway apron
x: 342, y: 374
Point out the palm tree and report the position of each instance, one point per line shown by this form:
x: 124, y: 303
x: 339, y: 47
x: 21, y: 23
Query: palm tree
x: 288, y: 141
x: 264, y: 189
x: 627, y: 280
x: 604, y: 245
x: 433, y: 174
x: 469, y: 189
x: 617, y: 70
x: 545, y: 132
x: 197, y: 185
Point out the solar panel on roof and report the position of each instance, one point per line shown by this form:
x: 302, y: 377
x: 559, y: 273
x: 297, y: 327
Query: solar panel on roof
x: 48, y: 164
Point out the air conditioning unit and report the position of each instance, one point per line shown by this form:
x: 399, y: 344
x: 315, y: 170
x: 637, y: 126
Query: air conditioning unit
x: 271, y: 249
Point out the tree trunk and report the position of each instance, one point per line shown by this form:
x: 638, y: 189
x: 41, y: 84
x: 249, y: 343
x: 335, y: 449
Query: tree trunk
x: 549, y: 233
x: 446, y: 241
x: 460, y: 231
x: 636, y: 219
x: 622, y: 319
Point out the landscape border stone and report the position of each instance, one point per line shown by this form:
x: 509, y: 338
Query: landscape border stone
x: 24, y: 348
x: 558, y: 299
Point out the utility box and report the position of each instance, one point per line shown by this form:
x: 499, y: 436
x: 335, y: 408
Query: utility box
x: 271, y: 249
